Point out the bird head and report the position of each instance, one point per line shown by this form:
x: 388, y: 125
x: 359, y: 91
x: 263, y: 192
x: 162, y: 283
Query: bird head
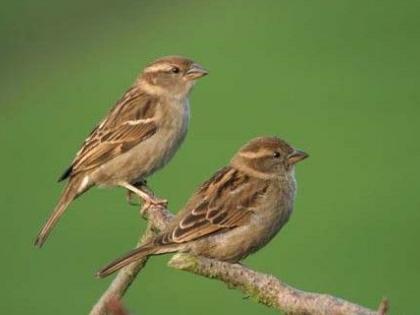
x: 171, y: 76
x: 268, y: 157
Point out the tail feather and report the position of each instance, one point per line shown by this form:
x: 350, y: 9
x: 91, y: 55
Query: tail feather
x: 132, y: 256
x: 69, y: 194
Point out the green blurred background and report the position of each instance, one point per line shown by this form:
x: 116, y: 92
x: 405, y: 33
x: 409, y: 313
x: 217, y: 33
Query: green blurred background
x: 339, y: 79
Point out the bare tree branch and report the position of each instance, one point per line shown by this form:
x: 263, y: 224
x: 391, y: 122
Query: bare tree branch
x: 122, y: 281
x: 158, y: 218
x: 115, y: 307
x: 383, y: 307
x: 265, y: 289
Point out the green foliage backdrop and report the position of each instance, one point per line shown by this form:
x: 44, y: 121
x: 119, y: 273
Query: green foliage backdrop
x: 339, y: 79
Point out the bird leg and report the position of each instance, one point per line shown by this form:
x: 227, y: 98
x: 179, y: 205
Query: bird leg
x: 141, y: 190
x: 130, y: 194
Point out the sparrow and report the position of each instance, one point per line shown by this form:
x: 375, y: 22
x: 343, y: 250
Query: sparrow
x: 139, y: 135
x: 234, y: 213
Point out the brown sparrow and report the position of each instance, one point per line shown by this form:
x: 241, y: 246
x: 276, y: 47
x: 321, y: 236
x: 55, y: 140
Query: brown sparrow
x: 139, y: 135
x: 236, y: 212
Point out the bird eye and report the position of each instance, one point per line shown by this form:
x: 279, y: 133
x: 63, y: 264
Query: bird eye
x: 276, y: 155
x: 175, y: 70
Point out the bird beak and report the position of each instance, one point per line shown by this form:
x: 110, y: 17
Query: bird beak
x: 296, y: 156
x: 196, y: 71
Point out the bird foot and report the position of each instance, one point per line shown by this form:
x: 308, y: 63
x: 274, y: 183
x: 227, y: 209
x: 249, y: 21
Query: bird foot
x: 153, y: 202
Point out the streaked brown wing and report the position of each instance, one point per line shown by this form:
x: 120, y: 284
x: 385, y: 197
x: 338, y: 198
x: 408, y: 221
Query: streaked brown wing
x: 130, y: 122
x: 114, y: 143
x: 222, y: 203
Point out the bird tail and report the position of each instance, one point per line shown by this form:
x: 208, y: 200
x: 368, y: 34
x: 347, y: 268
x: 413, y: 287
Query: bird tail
x: 132, y: 256
x: 71, y: 192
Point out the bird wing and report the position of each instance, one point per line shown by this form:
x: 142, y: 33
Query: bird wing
x: 131, y: 121
x: 224, y: 202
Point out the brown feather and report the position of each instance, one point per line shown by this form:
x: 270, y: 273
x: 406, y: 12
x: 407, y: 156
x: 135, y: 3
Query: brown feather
x: 132, y: 256
x: 125, y: 260
x: 116, y: 135
x: 215, y: 207
x: 69, y: 194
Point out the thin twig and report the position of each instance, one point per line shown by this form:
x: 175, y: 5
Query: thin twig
x: 158, y: 218
x: 265, y: 289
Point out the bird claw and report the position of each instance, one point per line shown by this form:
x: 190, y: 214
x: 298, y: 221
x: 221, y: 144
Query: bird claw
x: 153, y: 202
x: 156, y: 202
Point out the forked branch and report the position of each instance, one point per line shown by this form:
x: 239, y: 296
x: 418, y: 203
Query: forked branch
x: 265, y: 289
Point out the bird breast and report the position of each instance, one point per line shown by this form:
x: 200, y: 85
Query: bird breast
x: 156, y: 152
x: 152, y: 154
x: 174, y: 129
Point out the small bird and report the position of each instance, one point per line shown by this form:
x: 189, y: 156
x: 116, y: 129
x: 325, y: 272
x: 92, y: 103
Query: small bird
x: 139, y: 135
x: 236, y: 212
